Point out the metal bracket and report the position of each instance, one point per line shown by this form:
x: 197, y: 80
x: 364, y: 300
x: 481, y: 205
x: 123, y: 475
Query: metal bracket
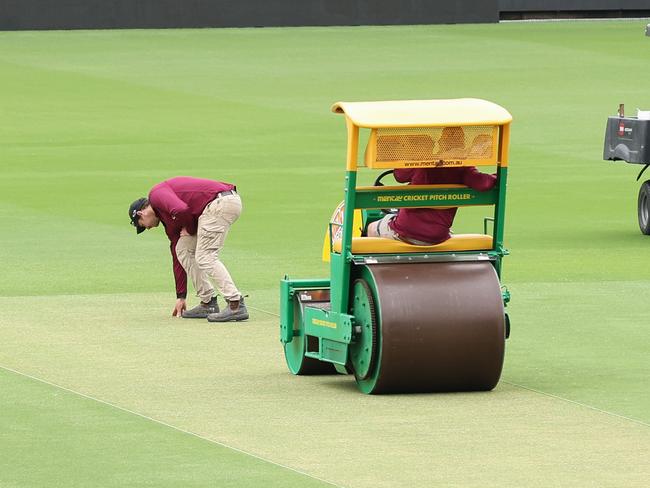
x: 420, y: 258
x: 485, y: 223
x: 505, y: 293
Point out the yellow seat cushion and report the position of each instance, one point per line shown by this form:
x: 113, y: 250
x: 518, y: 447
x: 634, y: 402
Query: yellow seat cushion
x: 381, y: 245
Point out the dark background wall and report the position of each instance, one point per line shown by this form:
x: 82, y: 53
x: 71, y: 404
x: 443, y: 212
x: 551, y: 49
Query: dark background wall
x: 566, y: 5
x: 92, y: 14
x: 523, y: 9
x: 110, y: 14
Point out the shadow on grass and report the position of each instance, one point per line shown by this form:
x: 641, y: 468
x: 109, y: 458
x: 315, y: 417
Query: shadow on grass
x: 344, y: 383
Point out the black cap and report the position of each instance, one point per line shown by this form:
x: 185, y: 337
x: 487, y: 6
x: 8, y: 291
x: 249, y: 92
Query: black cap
x: 135, y: 207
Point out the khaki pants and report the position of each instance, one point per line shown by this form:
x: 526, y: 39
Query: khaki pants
x: 199, y: 254
x: 380, y: 228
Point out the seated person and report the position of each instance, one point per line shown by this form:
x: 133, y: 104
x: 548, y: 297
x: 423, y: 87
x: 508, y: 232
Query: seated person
x: 428, y: 226
x: 481, y: 147
x: 451, y: 144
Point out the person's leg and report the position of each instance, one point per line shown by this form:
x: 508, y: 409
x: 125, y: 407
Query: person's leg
x: 214, y: 224
x: 186, y: 253
x: 380, y: 228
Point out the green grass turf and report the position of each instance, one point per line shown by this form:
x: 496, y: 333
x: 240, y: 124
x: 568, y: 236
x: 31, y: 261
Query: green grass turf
x: 229, y: 383
x: 53, y: 438
x: 91, y: 120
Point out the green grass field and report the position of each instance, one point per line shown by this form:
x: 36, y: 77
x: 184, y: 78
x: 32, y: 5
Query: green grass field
x: 100, y: 386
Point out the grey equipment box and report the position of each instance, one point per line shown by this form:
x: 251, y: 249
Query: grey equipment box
x: 627, y: 139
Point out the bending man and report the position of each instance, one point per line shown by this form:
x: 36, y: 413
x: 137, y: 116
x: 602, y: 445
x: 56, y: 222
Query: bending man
x: 197, y: 215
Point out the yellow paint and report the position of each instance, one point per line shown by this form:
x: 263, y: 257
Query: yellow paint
x: 407, y: 188
x: 324, y: 323
x: 423, y: 113
x: 396, y: 142
x: 440, y: 163
x: 504, y: 144
x: 380, y: 245
x: 353, y: 146
x: 428, y: 147
x: 423, y: 198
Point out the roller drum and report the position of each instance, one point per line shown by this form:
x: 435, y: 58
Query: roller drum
x: 441, y: 327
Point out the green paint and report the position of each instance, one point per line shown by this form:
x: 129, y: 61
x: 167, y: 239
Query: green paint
x: 399, y: 198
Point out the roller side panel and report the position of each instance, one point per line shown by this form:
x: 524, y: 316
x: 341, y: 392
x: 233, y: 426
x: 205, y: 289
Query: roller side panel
x: 293, y: 295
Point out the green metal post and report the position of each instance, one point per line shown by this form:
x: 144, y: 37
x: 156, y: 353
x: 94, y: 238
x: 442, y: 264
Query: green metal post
x: 500, y: 215
x: 340, y: 264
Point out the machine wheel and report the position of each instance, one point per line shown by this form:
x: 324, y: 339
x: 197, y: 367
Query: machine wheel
x: 439, y: 327
x: 643, y: 207
x: 294, y: 351
x: 363, y: 348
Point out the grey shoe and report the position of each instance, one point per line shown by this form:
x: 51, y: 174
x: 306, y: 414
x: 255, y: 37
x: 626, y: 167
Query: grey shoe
x: 230, y: 315
x: 202, y: 310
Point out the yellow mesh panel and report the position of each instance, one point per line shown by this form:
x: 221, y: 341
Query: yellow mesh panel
x: 398, y: 147
x: 434, y: 143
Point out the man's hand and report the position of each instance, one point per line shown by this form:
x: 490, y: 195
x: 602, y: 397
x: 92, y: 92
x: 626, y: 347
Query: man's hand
x: 184, y: 232
x: 178, y: 309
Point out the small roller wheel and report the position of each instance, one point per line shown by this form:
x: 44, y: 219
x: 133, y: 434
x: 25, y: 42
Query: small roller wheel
x: 363, y: 349
x: 643, y: 207
x: 294, y: 351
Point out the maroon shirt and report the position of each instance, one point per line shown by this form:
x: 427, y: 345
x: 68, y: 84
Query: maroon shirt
x: 428, y: 224
x: 178, y: 203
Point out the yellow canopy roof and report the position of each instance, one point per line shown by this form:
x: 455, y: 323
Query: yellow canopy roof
x: 423, y: 113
